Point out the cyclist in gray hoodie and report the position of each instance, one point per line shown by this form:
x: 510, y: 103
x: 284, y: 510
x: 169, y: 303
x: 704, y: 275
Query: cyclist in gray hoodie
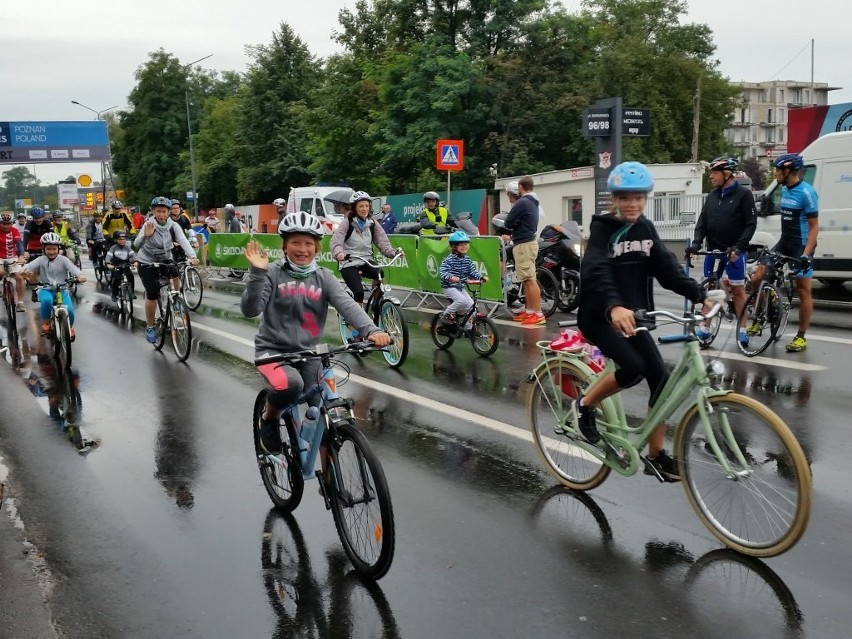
x: 293, y: 295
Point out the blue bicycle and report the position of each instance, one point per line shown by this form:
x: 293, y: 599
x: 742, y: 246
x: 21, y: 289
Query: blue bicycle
x: 352, y: 481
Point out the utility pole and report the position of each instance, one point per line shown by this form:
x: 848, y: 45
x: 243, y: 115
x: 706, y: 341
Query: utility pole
x: 696, y: 112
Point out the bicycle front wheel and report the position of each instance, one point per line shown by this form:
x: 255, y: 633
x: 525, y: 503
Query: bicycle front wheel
x: 63, y: 343
x: 760, y: 315
x: 281, y: 474
x: 192, y: 287
x: 713, y: 324
x: 392, y: 322
x: 556, y: 384
x: 11, y: 314
x: 761, y: 506
x: 549, y: 286
x: 484, y: 336
x: 361, y: 502
x: 181, y: 329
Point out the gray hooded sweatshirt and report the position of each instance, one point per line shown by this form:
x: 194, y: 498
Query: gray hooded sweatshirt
x: 294, y: 310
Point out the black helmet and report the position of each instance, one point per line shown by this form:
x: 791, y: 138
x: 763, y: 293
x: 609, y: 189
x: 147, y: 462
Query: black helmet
x: 119, y: 234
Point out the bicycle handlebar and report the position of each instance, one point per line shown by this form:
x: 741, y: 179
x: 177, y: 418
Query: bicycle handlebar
x: 320, y: 352
x: 373, y: 263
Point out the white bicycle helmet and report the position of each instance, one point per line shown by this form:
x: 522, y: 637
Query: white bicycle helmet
x: 51, y: 238
x: 357, y: 196
x: 300, y: 222
x: 512, y: 187
x: 279, y: 202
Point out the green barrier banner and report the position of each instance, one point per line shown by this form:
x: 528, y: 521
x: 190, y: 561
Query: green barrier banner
x: 404, y: 273
x: 417, y: 271
x: 486, y: 252
x: 430, y: 252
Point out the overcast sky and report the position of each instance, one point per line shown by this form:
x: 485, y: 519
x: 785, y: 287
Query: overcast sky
x: 55, y: 51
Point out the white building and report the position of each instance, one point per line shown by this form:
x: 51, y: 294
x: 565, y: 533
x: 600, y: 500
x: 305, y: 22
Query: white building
x: 569, y: 194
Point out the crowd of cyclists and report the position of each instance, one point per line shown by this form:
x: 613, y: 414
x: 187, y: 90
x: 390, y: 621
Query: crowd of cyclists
x: 623, y: 254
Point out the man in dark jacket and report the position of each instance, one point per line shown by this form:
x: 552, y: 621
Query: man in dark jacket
x: 522, y: 221
x: 727, y: 222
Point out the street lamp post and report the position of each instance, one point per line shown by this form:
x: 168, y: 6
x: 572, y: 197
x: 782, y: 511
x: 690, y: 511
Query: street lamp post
x: 189, y: 132
x: 103, y: 164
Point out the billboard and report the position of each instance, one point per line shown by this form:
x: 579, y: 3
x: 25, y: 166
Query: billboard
x: 808, y: 123
x: 67, y: 194
x: 41, y: 142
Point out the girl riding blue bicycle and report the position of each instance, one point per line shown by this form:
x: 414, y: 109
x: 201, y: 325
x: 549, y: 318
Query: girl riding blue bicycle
x: 293, y: 295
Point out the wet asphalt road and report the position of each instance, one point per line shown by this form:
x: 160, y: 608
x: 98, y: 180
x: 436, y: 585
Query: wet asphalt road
x: 163, y: 529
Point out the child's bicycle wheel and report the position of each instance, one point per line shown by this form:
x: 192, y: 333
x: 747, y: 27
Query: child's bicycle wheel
x: 439, y: 333
x: 484, y: 336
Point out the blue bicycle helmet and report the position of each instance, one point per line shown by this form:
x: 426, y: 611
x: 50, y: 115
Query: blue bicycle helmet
x: 630, y: 177
x: 37, y: 212
x: 459, y: 237
x: 723, y: 163
x: 789, y: 161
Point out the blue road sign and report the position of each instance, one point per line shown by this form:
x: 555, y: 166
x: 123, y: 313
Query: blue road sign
x: 40, y: 142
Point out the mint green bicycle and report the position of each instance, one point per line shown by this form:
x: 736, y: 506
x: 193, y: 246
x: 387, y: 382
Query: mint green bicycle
x: 743, y: 470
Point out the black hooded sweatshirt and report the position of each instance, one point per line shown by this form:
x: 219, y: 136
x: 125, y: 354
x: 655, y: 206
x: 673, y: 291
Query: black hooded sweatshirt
x: 619, y: 266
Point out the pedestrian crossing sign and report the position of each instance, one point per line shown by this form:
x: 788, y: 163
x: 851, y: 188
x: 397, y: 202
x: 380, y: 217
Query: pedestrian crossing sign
x: 450, y: 156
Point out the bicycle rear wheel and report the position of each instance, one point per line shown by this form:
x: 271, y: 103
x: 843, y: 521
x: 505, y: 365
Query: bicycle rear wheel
x: 761, y: 509
x: 436, y: 330
x: 392, y: 322
x: 569, y: 291
x: 125, y: 297
x: 484, y: 336
x: 11, y: 314
x: 281, y: 474
x: 557, y: 383
x: 181, y: 329
x: 360, y: 502
x: 549, y: 286
x: 192, y: 287
x: 760, y: 315
x: 161, y: 324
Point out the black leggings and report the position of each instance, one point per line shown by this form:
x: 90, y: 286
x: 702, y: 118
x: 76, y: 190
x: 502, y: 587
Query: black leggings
x: 352, y: 276
x: 150, y: 276
x: 637, y: 357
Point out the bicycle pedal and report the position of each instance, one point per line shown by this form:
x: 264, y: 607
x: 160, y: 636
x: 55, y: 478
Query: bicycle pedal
x: 651, y: 470
x: 620, y: 455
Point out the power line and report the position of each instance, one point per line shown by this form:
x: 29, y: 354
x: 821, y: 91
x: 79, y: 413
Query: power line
x: 775, y: 77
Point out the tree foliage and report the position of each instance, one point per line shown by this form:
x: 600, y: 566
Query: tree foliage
x: 509, y: 77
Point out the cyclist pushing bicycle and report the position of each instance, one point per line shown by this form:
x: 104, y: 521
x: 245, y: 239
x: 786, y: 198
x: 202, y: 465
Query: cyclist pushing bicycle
x: 355, y: 238
x: 728, y: 220
x: 623, y: 256
x: 293, y: 295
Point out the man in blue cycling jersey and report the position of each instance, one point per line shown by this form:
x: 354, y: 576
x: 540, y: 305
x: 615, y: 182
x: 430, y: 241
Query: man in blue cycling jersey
x: 799, y: 229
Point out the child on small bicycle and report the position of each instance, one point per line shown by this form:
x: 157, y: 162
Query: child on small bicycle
x: 120, y: 254
x: 623, y: 256
x: 456, y: 269
x: 354, y: 238
x: 293, y: 294
x: 52, y: 267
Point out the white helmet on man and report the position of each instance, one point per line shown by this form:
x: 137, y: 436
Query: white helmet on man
x: 300, y: 222
x: 512, y: 188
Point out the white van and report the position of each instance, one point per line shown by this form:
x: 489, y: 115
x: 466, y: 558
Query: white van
x: 326, y: 202
x: 828, y: 168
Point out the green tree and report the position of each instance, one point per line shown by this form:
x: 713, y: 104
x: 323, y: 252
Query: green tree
x: 147, y: 154
x: 20, y: 183
x: 280, y: 84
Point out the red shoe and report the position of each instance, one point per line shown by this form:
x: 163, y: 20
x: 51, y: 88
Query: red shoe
x: 534, y: 319
x: 45, y: 328
x: 521, y: 317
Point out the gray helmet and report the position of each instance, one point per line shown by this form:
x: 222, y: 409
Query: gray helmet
x: 431, y: 195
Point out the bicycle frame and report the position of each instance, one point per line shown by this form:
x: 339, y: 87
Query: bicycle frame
x: 688, y: 385
x: 377, y: 295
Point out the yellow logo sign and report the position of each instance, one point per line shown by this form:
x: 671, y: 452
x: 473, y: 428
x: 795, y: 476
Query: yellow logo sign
x: 84, y: 180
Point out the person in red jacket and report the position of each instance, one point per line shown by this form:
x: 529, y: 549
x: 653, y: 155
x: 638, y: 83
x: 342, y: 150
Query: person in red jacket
x: 12, y: 256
